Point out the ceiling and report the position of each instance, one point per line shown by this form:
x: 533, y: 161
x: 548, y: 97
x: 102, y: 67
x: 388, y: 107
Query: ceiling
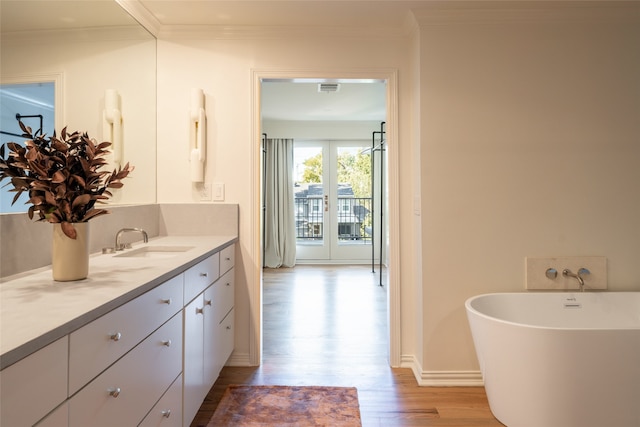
x: 305, y: 13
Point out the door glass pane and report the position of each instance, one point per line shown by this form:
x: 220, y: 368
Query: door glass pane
x: 354, y: 195
x: 308, y: 194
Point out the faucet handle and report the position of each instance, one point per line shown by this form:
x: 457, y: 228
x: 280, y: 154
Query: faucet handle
x: 583, y: 271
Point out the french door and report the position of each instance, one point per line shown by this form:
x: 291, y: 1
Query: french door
x: 333, y: 201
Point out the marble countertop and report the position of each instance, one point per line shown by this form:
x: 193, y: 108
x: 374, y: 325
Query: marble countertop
x: 35, y: 310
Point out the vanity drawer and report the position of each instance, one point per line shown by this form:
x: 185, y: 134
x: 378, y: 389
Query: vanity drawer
x: 100, y: 343
x: 168, y: 411
x: 227, y: 258
x: 200, y: 276
x: 58, y: 418
x: 123, y: 394
x: 223, y: 294
x: 34, y: 386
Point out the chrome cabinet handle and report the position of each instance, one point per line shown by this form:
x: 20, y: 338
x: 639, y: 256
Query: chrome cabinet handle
x: 204, y: 274
x: 228, y: 328
x: 199, y: 310
x: 207, y: 302
x: 166, y: 301
x: 227, y: 259
x: 228, y: 283
x: 167, y: 343
x: 166, y: 413
x: 116, y: 336
x: 114, y: 392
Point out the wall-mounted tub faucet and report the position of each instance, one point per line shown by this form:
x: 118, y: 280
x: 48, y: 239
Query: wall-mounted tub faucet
x: 121, y: 246
x: 583, y: 271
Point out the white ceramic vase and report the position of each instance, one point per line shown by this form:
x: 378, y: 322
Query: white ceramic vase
x: 69, y: 257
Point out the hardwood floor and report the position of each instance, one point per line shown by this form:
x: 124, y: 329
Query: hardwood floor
x: 326, y: 325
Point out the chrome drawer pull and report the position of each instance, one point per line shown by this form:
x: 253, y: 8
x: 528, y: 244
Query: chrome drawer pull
x: 116, y: 336
x: 167, y: 343
x: 114, y: 392
x: 228, y: 328
x: 167, y: 301
x: 199, y: 310
x: 166, y: 413
x: 207, y: 302
x: 227, y: 259
x: 228, y: 283
x: 204, y: 274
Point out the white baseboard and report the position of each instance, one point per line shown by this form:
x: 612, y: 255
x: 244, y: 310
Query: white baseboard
x: 441, y: 378
x: 239, y: 359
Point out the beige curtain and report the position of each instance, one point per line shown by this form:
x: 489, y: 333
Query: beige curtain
x: 279, y: 218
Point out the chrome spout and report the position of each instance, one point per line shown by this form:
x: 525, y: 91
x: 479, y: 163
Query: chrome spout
x: 120, y: 246
x: 578, y: 276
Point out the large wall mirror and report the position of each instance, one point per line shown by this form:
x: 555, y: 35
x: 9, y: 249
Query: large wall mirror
x: 62, y: 60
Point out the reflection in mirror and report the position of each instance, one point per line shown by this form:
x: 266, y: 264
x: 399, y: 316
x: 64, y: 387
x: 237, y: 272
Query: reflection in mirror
x: 89, y: 47
x: 31, y: 103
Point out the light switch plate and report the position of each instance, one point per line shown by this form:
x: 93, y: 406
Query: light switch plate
x: 536, y: 268
x: 218, y: 192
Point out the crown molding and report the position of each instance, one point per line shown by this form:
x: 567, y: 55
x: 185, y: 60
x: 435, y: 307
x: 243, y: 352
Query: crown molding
x: 275, y: 32
x: 497, y: 12
x: 128, y: 33
x: 142, y: 15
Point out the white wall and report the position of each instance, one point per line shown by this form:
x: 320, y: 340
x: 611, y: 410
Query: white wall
x: 223, y: 69
x: 530, y: 145
x: 518, y: 136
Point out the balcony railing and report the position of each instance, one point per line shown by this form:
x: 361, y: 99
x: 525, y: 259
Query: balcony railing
x: 354, y: 219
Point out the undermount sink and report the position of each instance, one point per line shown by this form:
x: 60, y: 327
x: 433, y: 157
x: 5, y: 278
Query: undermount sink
x: 154, y: 252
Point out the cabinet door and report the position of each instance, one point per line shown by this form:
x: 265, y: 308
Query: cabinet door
x: 34, y: 386
x: 123, y: 394
x: 168, y: 411
x: 193, y: 372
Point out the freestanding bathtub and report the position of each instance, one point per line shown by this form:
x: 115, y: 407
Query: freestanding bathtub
x: 559, y: 359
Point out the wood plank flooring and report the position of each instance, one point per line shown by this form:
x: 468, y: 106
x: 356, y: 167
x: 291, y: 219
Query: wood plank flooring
x: 326, y: 325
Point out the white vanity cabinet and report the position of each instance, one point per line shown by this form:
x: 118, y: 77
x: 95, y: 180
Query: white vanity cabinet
x: 218, y: 339
x: 100, y: 343
x: 148, y: 362
x: 204, y: 351
x: 123, y: 394
x: 193, y: 370
x: 34, y: 386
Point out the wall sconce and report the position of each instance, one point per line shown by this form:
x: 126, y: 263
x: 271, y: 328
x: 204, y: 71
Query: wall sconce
x: 197, y: 135
x: 112, y: 125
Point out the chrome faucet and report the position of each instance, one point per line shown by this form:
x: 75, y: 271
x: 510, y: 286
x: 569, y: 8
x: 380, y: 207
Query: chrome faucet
x: 567, y: 273
x: 121, y: 246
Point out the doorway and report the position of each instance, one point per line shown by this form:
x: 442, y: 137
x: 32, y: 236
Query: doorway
x: 390, y: 236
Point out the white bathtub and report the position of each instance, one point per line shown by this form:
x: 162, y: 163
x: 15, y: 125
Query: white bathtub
x: 559, y: 359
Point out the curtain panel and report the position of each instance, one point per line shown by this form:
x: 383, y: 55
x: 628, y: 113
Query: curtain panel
x: 279, y: 217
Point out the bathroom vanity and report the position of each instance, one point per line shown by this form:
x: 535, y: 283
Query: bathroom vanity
x: 139, y: 342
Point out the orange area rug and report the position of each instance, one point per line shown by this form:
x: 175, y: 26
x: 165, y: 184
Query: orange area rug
x: 287, y: 406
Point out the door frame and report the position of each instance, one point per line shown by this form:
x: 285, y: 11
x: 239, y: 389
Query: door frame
x: 393, y: 200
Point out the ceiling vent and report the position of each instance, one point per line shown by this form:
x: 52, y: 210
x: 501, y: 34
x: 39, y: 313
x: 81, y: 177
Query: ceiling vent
x: 328, y: 87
